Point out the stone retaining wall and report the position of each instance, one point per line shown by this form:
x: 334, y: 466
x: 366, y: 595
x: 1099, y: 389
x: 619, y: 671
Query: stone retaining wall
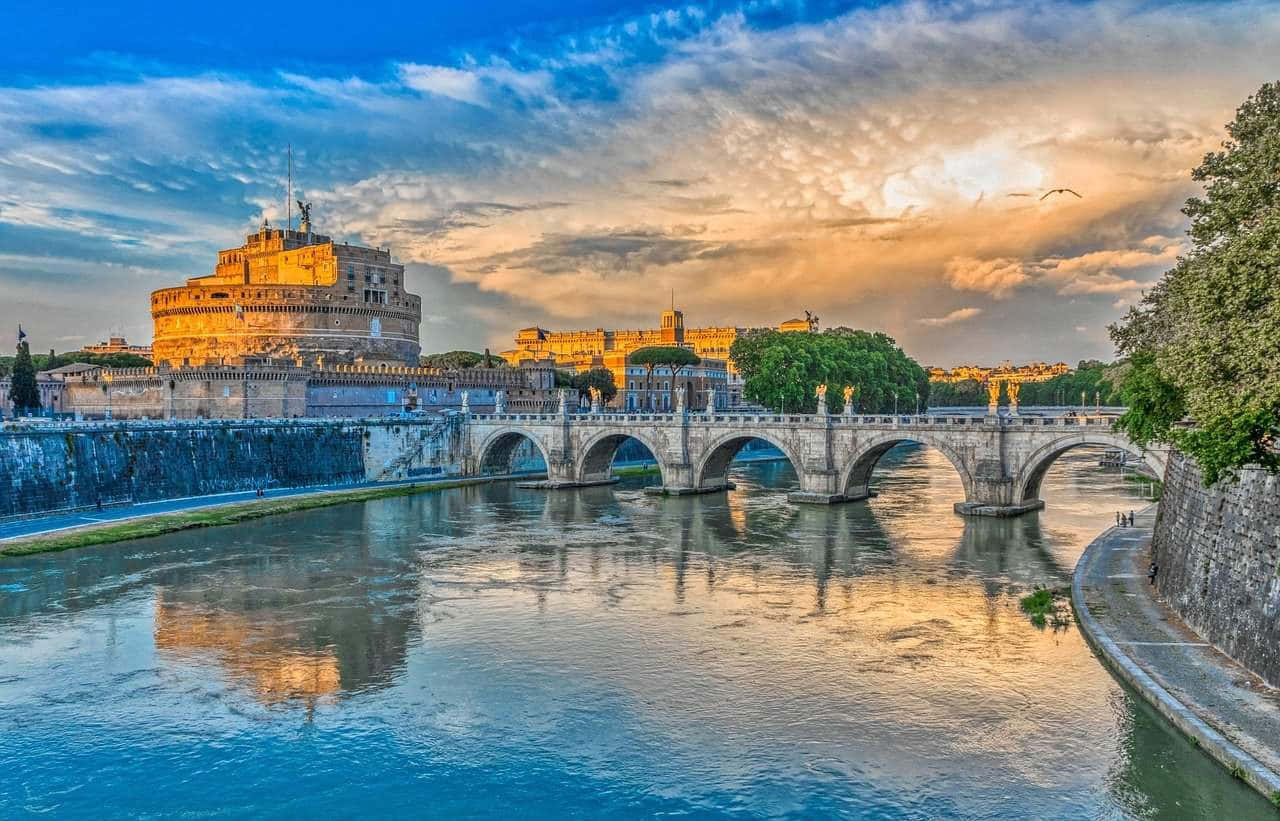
x: 70, y: 466
x: 1219, y: 554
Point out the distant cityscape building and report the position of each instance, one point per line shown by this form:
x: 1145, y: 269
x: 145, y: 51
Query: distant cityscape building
x: 604, y: 348
x: 293, y: 295
x: 1033, y: 372
x: 118, y: 344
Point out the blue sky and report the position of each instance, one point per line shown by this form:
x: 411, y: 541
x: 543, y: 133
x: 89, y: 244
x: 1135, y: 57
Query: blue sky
x: 569, y: 163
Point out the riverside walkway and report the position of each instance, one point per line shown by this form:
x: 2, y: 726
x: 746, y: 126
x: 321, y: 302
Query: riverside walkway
x: 58, y: 521
x: 1221, y: 706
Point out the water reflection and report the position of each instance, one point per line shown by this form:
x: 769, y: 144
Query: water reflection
x: 600, y: 652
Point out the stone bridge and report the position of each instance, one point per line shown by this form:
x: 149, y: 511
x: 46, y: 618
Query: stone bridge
x: 1000, y: 460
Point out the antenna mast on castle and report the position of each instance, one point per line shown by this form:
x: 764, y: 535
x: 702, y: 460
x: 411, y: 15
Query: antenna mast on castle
x: 288, y: 197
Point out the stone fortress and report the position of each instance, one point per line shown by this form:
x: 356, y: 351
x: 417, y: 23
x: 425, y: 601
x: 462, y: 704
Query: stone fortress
x: 292, y: 295
x: 290, y: 324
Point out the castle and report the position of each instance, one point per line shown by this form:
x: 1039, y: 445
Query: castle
x: 292, y: 295
x: 289, y: 324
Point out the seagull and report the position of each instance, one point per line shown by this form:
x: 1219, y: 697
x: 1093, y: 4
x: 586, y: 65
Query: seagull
x: 1017, y: 195
x: 1060, y: 191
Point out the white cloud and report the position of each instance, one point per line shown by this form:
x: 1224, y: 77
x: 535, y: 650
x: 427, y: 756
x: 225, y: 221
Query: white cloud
x: 958, y: 315
x: 997, y: 277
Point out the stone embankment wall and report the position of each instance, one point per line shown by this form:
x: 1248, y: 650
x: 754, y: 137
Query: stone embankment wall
x: 1219, y: 554
x: 68, y: 466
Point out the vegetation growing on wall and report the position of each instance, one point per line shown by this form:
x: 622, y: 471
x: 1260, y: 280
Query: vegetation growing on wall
x: 1205, y: 341
x: 49, y: 361
x: 782, y: 370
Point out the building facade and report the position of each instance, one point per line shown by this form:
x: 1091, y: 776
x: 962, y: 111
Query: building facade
x: 294, y: 295
x: 603, y: 348
x: 1032, y: 372
x: 705, y: 382
x: 262, y: 390
x: 118, y: 344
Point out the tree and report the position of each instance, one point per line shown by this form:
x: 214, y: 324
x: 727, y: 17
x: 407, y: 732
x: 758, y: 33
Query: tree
x: 601, y: 378
x: 677, y: 359
x: 23, y: 390
x: 457, y: 360
x: 782, y: 370
x: 1209, y: 331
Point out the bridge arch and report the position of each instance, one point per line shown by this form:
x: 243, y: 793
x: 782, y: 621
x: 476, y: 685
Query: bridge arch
x: 711, y: 468
x: 1031, y: 473
x: 855, y: 478
x: 595, y: 460
x: 495, y: 453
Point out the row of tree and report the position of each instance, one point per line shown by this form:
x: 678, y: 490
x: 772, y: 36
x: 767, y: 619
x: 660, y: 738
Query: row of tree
x: 781, y: 371
x: 1204, y: 343
x: 457, y: 360
x: 51, y: 360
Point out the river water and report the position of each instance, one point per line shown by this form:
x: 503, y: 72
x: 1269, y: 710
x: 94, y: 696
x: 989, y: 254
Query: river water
x: 492, y: 652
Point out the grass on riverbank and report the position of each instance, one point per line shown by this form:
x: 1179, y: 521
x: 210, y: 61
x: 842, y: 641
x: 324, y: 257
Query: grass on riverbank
x: 208, y: 517
x: 1045, y: 606
x: 636, y: 470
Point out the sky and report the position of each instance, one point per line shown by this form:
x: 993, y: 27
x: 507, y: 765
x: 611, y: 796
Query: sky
x: 570, y: 164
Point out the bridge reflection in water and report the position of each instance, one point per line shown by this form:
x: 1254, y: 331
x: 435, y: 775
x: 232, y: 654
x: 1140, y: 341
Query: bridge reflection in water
x: 600, y: 652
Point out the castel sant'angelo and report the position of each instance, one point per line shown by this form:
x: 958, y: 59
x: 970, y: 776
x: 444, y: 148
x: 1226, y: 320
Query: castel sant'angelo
x: 293, y: 295
x: 294, y: 324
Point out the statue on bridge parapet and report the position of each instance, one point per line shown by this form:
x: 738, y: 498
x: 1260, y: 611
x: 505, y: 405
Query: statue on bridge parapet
x: 466, y: 402
x: 596, y: 396
x: 711, y: 401
x: 563, y: 408
x: 993, y: 397
x: 1013, y: 388
x: 821, y: 393
x: 679, y: 402
x: 500, y: 402
x: 849, y: 391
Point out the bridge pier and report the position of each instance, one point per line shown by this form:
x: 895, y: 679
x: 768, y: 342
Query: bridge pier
x: 997, y: 510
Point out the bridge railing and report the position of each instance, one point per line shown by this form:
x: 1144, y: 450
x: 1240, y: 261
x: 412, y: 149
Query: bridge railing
x: 836, y: 420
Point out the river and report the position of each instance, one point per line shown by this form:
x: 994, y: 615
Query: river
x: 492, y: 652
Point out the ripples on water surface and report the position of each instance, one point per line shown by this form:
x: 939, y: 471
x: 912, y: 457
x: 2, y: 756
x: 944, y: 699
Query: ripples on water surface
x: 496, y: 652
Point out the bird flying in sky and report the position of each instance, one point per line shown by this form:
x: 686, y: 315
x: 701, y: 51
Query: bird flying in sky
x: 1060, y: 191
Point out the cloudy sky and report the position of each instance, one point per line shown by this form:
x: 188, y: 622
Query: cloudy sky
x: 570, y: 163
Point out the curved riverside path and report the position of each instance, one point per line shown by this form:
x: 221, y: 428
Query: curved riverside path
x: 1221, y: 706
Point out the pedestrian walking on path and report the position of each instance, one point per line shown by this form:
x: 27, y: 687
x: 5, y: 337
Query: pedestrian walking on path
x: 1131, y: 518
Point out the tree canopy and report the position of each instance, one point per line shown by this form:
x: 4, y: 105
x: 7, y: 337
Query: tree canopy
x: 659, y: 356
x: 1205, y: 341
x: 49, y: 361
x: 456, y: 360
x: 782, y: 370
x: 23, y: 390
x: 601, y: 378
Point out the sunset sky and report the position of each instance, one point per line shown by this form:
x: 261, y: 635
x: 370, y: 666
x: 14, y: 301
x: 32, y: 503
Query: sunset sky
x: 569, y: 163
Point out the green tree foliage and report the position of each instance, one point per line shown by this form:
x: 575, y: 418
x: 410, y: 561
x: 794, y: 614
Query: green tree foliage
x: 49, y: 361
x: 456, y: 360
x: 23, y: 390
x: 663, y: 356
x: 601, y: 378
x: 782, y: 370
x: 1209, y: 332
